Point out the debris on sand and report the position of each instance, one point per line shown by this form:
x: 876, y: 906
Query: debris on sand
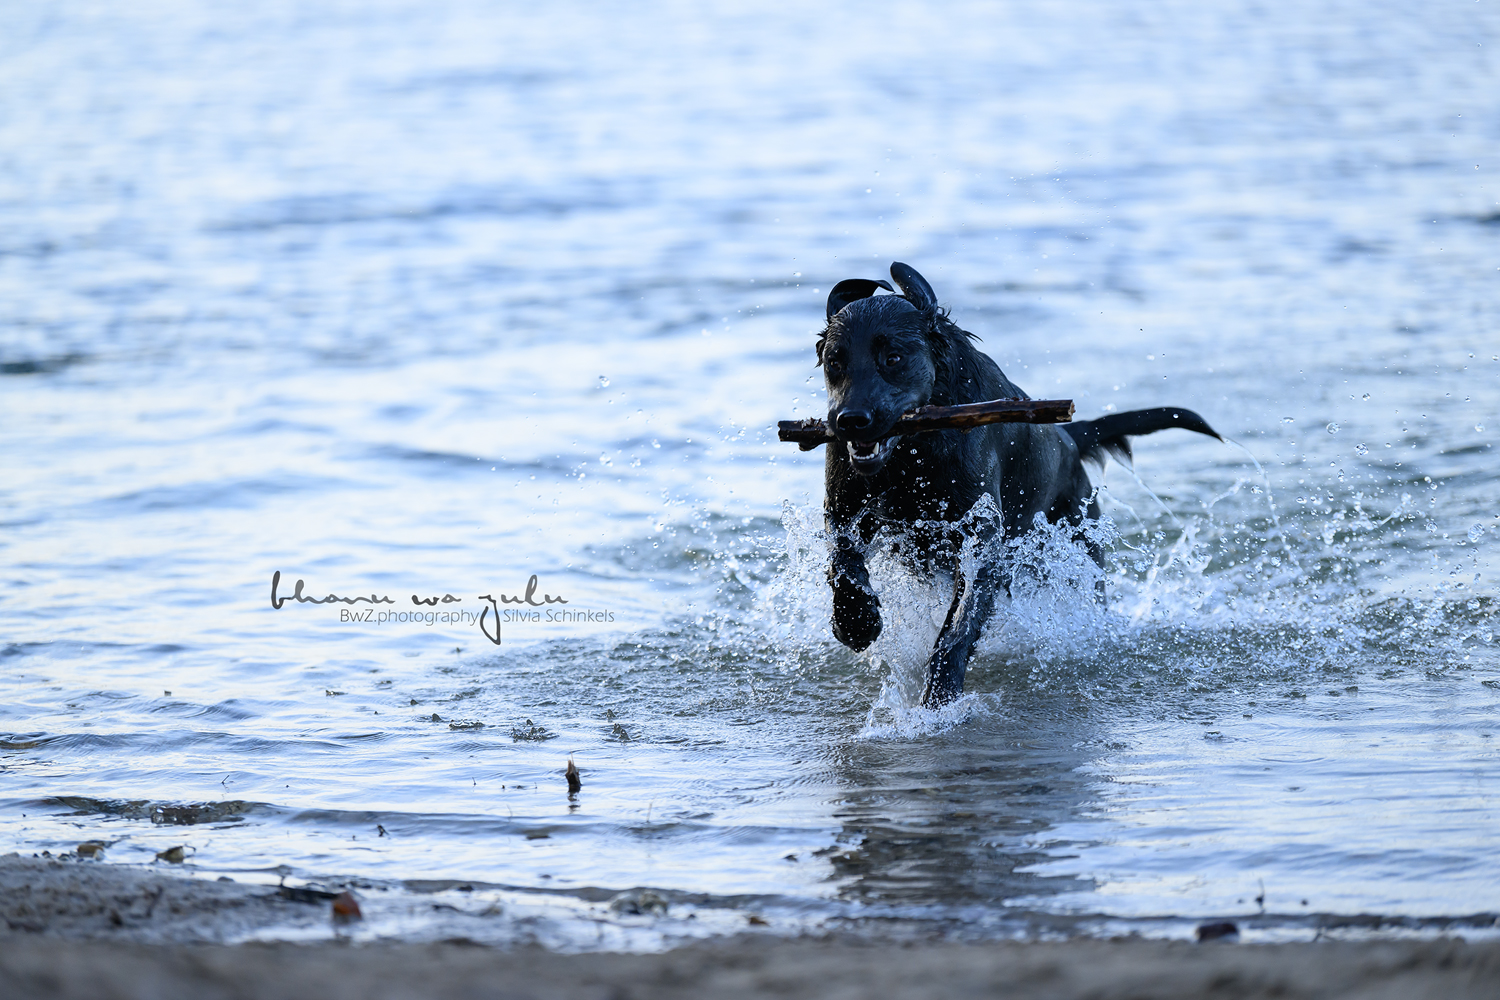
x: 1219, y: 930
x: 174, y: 855
x: 90, y: 849
x: 574, y: 783
x: 346, y: 908
x: 638, y: 902
x: 303, y: 894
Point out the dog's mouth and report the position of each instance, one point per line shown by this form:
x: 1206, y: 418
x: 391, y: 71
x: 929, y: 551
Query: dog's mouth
x: 868, y: 457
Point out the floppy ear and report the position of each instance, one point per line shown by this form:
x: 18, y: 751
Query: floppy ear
x: 851, y: 289
x: 915, y: 287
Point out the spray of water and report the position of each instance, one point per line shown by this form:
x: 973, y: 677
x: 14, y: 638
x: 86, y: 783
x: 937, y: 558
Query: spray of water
x: 1226, y: 596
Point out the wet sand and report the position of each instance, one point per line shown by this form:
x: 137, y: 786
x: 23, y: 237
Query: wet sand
x: 92, y: 930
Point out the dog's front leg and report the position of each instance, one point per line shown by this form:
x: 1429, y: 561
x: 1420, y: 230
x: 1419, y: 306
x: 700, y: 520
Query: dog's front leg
x: 856, y: 609
x: 973, y: 603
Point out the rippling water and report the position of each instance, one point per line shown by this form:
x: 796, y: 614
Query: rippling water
x: 403, y: 299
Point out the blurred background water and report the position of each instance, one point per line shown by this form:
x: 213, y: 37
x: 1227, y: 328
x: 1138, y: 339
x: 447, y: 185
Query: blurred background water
x: 423, y: 299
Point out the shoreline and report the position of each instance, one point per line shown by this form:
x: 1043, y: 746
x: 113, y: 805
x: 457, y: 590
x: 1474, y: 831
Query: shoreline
x: 76, y: 929
x: 40, y: 967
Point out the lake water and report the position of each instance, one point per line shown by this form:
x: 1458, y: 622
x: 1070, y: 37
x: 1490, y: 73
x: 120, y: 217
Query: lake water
x: 426, y: 299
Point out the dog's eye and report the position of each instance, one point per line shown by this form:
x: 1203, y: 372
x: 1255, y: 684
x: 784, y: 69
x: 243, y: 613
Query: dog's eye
x: 892, y: 360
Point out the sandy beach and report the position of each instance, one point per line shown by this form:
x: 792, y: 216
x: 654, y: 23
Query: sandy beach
x: 92, y: 930
x: 336, y: 336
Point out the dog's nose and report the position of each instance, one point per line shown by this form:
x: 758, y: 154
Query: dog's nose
x: 853, y: 421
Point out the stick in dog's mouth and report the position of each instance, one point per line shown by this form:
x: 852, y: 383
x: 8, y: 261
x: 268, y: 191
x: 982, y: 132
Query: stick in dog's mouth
x: 811, y: 432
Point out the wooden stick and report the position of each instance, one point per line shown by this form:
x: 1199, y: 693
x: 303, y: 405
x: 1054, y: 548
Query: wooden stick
x: 810, y: 433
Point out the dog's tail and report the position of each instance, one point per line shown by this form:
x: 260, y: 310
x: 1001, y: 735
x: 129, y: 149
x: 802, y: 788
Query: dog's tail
x: 1111, y: 435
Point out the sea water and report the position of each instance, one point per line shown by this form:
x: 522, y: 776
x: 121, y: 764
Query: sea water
x: 415, y: 303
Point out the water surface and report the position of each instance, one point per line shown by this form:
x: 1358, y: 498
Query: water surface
x: 405, y: 299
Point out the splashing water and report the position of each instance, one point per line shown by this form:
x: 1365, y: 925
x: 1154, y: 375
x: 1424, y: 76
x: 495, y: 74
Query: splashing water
x: 1218, y: 594
x: 322, y: 314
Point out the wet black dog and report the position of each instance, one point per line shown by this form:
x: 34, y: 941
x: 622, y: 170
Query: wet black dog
x: 886, y: 355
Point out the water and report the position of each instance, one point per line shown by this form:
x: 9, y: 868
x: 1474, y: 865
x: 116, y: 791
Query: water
x: 407, y: 299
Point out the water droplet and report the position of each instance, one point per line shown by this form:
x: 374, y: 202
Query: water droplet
x: 1479, y: 428
x: 1333, y: 428
x: 1365, y: 397
x: 1475, y: 532
x: 1302, y: 499
x: 1288, y: 420
x: 1360, y: 449
x: 603, y: 381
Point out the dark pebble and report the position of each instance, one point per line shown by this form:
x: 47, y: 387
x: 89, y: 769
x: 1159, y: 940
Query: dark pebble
x: 1219, y: 930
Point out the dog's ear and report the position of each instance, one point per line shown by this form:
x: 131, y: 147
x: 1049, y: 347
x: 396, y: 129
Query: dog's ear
x: 852, y: 289
x: 915, y: 287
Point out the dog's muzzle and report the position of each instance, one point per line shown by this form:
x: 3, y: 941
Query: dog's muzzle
x: 869, y: 457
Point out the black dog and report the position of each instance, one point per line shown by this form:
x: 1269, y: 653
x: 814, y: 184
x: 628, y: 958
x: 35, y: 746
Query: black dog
x: 884, y: 356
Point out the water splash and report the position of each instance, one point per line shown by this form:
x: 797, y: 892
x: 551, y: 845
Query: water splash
x: 1229, y: 594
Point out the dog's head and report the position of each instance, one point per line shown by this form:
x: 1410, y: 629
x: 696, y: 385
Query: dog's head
x: 878, y: 360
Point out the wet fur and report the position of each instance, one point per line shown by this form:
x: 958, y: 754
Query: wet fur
x: 926, y: 482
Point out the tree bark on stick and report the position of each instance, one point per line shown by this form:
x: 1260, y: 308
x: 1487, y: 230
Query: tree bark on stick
x: 812, y: 432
